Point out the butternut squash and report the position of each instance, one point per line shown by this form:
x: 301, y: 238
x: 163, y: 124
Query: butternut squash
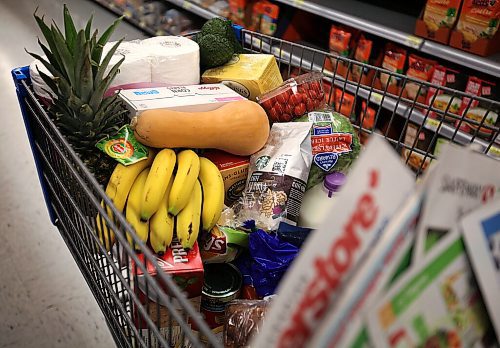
x: 240, y: 128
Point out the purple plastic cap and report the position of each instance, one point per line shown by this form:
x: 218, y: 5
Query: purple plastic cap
x: 333, y: 182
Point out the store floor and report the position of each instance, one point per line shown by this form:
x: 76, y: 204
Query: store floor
x: 44, y: 300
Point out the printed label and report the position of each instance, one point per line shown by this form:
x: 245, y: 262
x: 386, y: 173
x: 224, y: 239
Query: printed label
x: 327, y: 148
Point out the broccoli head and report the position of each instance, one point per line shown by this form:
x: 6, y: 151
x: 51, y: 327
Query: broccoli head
x: 214, y: 50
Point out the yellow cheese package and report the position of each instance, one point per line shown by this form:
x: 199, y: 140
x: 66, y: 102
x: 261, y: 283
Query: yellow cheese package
x: 248, y: 74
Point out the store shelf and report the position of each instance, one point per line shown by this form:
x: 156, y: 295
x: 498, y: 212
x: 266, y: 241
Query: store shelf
x: 388, y: 102
x: 394, y: 26
x: 488, y: 65
x: 128, y: 17
x: 193, y: 8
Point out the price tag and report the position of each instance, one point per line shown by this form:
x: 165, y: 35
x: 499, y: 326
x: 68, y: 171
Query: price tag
x: 187, y: 5
x: 414, y: 41
x: 494, y: 151
x: 432, y: 123
x: 376, y: 98
x: 298, y: 3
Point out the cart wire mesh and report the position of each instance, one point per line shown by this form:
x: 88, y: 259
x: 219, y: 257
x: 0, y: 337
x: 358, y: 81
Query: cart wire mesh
x: 79, y: 207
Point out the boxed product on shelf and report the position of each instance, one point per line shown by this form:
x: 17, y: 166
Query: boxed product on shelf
x: 438, y: 19
x: 250, y: 75
x: 481, y: 113
x: 441, y: 99
x: 420, y: 138
x: 477, y: 27
x: 420, y: 69
x: 221, y: 8
x: 344, y: 102
x: 368, y: 52
x: 394, y: 60
x: 366, y: 121
x: 341, y: 43
x: 186, y: 269
x: 238, y: 11
x: 264, y: 17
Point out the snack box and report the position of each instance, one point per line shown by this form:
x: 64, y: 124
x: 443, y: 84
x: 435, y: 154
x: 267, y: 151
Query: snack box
x: 248, y: 74
x: 194, y: 98
x: 234, y: 171
x: 186, y: 269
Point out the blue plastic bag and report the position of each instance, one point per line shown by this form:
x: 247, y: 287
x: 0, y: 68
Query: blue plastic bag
x: 270, y: 259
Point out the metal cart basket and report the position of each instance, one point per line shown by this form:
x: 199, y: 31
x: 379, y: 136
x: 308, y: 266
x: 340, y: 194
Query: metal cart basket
x: 74, y: 198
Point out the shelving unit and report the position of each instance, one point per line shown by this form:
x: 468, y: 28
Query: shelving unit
x: 387, y: 102
x: 193, y: 8
x: 128, y: 17
x: 393, y: 26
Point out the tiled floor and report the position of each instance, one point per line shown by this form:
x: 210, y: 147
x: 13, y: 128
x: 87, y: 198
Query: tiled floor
x: 44, y: 301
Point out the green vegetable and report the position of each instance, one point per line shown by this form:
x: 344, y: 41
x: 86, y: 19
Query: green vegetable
x: 215, y: 50
x: 217, y: 42
x: 339, y: 124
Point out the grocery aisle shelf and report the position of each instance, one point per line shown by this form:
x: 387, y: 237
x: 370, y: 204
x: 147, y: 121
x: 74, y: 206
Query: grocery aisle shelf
x: 394, y: 26
x: 401, y: 108
x: 488, y: 65
x: 117, y: 11
x: 194, y: 8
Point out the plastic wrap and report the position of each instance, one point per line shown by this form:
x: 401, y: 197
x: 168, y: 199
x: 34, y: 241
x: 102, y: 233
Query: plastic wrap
x: 243, y: 319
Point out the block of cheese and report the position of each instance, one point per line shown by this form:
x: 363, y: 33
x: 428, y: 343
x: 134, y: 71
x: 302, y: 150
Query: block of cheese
x: 248, y: 74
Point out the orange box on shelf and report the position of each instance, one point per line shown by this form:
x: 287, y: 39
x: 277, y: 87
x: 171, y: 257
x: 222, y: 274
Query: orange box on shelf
x: 477, y: 28
x: 437, y: 19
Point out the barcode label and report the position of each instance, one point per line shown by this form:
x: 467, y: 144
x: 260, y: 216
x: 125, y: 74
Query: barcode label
x: 280, y: 165
x: 320, y: 117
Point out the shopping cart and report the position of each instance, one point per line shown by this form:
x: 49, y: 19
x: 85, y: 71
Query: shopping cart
x: 74, y: 198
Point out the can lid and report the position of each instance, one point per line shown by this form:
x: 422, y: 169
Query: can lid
x: 333, y: 182
x: 221, y: 279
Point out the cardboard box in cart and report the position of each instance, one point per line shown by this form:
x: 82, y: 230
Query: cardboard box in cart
x: 186, y: 269
x: 195, y: 98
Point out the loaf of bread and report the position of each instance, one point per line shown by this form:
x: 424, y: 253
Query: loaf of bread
x: 243, y: 319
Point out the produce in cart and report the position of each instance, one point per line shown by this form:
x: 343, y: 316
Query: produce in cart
x: 80, y: 110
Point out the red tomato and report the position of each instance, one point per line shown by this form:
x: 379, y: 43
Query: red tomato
x: 305, y: 86
x: 267, y: 104
x: 313, y: 94
x: 282, y: 98
x: 321, y: 96
x: 289, y: 108
x: 279, y: 108
x: 300, y: 109
x: 317, y: 103
x: 273, y: 115
x: 314, y: 85
x: 296, y: 99
x: 310, y: 105
x: 286, y: 117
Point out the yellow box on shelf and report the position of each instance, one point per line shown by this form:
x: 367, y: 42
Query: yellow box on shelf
x: 248, y: 74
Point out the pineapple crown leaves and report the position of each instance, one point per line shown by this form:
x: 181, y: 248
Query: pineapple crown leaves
x: 73, y: 59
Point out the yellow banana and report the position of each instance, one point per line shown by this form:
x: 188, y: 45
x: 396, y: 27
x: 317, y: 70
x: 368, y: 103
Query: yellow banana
x: 133, y: 209
x: 213, y: 193
x: 187, y: 222
x: 161, y: 224
x: 117, y: 190
x: 188, y: 168
x: 156, y: 183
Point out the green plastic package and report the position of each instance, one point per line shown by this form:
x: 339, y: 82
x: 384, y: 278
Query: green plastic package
x: 123, y: 147
x: 335, y: 144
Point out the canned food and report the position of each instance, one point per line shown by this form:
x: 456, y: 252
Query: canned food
x: 222, y: 284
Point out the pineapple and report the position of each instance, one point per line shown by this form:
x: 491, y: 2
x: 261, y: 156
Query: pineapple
x: 79, y: 82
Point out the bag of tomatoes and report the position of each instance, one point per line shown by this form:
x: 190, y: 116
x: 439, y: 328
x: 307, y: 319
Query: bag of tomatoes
x: 294, y: 98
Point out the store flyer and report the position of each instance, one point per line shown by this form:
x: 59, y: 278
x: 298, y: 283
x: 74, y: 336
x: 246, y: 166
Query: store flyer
x: 374, y: 191
x: 437, y: 303
x: 461, y: 181
x: 481, y: 231
x: 372, y: 275
x: 356, y: 334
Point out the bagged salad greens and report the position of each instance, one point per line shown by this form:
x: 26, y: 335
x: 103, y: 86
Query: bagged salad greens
x: 335, y: 144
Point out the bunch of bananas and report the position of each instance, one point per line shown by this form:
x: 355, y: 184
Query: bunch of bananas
x: 166, y: 194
